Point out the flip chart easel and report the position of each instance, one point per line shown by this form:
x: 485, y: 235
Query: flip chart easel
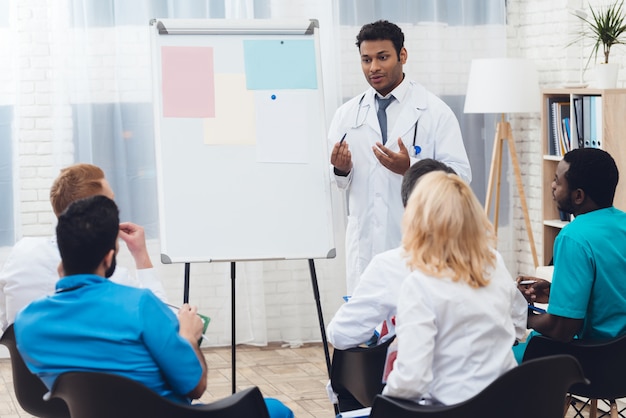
x: 242, y: 160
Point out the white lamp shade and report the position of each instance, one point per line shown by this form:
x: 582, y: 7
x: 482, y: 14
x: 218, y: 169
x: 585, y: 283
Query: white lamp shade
x: 502, y: 85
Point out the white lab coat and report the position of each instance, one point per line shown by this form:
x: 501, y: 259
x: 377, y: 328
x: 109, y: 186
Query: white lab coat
x: 374, y: 204
x: 374, y: 300
x: 454, y: 340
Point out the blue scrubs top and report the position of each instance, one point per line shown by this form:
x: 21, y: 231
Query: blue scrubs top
x: 94, y: 324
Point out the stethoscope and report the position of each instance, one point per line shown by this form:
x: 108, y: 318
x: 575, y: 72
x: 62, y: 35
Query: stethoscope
x: 360, y: 122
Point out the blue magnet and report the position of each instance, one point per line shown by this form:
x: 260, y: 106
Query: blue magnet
x: 273, y: 97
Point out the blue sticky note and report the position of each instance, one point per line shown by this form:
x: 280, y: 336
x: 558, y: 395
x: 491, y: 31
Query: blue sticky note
x: 280, y: 64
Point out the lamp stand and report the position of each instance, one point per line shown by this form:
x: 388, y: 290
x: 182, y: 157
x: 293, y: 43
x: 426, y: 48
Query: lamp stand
x: 504, y: 133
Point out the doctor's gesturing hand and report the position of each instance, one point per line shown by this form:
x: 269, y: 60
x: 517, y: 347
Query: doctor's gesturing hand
x: 398, y: 162
x: 341, y: 158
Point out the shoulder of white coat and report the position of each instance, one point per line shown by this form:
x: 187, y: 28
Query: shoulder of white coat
x: 425, y: 99
x: 394, y: 258
x: 500, y: 268
x: 43, y: 247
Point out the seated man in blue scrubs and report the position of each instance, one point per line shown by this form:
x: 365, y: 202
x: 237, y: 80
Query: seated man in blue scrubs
x: 93, y: 324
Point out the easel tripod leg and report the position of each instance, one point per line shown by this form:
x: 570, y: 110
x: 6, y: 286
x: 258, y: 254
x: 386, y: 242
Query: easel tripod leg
x: 492, y: 173
x: 320, y: 316
x: 186, y: 286
x: 522, y: 195
x: 233, y: 344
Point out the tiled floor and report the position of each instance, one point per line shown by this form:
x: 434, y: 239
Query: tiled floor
x: 296, y: 376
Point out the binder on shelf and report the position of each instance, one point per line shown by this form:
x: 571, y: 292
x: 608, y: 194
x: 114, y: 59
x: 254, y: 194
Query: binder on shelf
x: 559, y: 111
x: 598, y: 124
x: 558, y: 132
x: 578, y: 118
x: 552, y: 142
x: 595, y: 121
x: 586, y: 121
x: 563, y: 113
x: 592, y: 122
x: 567, y: 134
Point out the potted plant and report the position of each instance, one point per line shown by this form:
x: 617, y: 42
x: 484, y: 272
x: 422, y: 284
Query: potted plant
x: 606, y: 27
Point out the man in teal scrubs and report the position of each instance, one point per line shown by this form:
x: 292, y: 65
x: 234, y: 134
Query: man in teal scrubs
x: 587, y: 297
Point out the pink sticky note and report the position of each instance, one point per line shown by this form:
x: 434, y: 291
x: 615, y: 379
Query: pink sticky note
x: 188, y: 82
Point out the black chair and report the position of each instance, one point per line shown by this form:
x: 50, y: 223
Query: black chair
x: 603, y: 363
x: 356, y: 374
x: 29, y: 389
x: 103, y: 395
x: 535, y: 389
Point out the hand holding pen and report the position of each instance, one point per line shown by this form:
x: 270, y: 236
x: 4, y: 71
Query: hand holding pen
x: 341, y: 158
x: 190, y: 324
x: 534, y: 289
x: 187, y: 310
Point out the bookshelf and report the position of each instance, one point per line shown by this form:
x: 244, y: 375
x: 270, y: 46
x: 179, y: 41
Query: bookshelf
x: 610, y: 130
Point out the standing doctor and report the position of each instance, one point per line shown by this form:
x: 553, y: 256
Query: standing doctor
x: 369, y: 162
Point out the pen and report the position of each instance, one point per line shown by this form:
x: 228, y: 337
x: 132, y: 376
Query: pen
x: 342, y: 138
x: 201, y: 316
x: 536, y: 309
x: 417, y: 148
x: 525, y: 282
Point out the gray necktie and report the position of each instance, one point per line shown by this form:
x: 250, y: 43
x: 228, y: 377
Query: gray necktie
x: 382, y: 115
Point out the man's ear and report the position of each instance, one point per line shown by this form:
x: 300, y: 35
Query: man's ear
x: 61, y: 270
x: 403, y: 55
x: 108, y: 259
x: 578, y: 197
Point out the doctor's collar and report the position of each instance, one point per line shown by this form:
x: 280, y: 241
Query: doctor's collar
x: 399, y: 92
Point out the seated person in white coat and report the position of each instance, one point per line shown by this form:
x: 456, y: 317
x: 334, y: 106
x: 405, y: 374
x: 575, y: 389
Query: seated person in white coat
x: 375, y: 297
x: 459, y: 311
x: 371, y: 153
x: 30, y: 271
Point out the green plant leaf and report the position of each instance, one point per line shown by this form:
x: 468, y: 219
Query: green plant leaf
x: 606, y: 27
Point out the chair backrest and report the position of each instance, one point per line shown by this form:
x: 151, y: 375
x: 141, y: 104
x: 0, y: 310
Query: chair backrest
x: 29, y: 389
x: 603, y: 363
x: 534, y: 389
x: 359, y: 371
x: 103, y: 395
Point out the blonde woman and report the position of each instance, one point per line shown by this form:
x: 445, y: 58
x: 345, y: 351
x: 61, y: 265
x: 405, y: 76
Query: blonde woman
x: 459, y: 311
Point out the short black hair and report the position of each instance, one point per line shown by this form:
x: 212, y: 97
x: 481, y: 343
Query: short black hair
x: 381, y: 30
x: 416, y: 171
x: 87, y: 230
x: 594, y: 171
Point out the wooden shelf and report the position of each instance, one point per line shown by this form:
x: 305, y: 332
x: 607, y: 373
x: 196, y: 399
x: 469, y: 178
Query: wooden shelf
x: 555, y: 223
x: 613, y: 125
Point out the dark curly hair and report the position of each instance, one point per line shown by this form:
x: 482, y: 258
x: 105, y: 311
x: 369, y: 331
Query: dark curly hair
x: 594, y: 171
x: 379, y: 31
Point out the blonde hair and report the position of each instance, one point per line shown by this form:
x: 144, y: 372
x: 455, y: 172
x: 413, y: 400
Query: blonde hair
x: 446, y: 232
x: 75, y: 182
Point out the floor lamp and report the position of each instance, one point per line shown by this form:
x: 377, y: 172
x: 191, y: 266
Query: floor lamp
x: 504, y: 85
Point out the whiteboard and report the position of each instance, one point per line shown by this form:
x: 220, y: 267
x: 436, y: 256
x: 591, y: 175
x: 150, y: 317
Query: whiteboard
x: 242, y: 161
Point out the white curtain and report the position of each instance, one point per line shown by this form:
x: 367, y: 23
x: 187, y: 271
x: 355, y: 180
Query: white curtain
x: 103, y: 104
x: 90, y: 66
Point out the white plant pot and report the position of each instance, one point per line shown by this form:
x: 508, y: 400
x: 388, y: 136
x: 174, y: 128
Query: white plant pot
x: 606, y: 75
